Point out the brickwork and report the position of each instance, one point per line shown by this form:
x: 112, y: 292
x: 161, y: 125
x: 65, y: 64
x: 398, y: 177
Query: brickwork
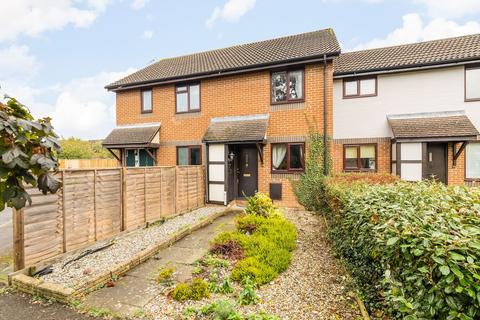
x: 455, y: 174
x: 236, y: 95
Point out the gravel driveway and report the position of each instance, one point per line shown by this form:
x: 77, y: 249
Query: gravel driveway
x: 5, y: 231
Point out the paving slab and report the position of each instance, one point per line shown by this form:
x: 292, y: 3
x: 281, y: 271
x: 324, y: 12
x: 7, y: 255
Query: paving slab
x: 134, y: 290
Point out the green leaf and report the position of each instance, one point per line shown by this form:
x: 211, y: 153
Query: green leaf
x: 445, y: 270
x: 455, y: 256
x: 392, y: 241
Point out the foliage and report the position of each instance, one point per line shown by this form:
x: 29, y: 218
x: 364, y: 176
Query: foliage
x: 164, y: 275
x: 309, y: 189
x: 266, y: 242
x: 28, y: 151
x: 259, y: 204
x: 75, y: 148
x: 248, y: 294
x: 209, y: 260
x: 197, y: 289
x: 229, y: 249
x: 223, y: 310
x: 412, y: 248
x: 225, y: 287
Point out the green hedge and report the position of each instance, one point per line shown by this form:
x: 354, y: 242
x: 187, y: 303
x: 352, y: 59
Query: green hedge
x: 413, y: 249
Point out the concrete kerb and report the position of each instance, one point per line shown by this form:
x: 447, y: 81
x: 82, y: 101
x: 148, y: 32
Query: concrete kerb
x: 30, y: 285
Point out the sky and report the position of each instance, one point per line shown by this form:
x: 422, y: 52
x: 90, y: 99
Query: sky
x: 56, y: 56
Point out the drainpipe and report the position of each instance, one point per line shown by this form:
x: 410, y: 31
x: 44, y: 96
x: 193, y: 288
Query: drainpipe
x: 325, y: 114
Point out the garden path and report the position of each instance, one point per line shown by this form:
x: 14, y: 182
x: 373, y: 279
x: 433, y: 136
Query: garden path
x: 133, y: 291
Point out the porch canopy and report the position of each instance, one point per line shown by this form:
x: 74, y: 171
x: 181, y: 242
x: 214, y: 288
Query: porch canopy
x: 142, y: 136
x: 238, y: 129
x: 449, y: 126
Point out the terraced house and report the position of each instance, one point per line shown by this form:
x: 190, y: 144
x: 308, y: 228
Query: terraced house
x: 412, y: 110
x: 245, y: 112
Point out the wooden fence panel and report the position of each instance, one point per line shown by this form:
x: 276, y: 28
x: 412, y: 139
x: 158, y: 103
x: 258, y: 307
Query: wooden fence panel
x: 43, y: 232
x: 167, y: 192
x: 153, y: 195
x: 79, y: 208
x: 88, y: 163
x: 135, y: 197
x: 182, y: 190
x: 95, y: 204
x: 108, y: 203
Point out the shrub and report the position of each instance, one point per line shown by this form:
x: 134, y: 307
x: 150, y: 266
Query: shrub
x: 181, y: 292
x: 248, y: 294
x: 196, y: 290
x: 309, y: 189
x: 165, y: 275
x: 255, y: 269
x: 229, y: 249
x: 412, y: 248
x: 260, y: 204
x: 199, y: 289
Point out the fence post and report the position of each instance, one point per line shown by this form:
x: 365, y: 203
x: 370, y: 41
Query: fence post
x: 18, y: 239
x: 145, y: 194
x: 95, y: 204
x: 64, y: 219
x: 123, y: 198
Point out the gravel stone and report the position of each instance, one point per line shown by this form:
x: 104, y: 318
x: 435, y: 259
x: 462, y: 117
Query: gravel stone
x: 125, y: 246
x: 312, y: 288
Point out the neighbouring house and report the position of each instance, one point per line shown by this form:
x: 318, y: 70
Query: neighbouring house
x: 412, y: 110
x: 244, y: 112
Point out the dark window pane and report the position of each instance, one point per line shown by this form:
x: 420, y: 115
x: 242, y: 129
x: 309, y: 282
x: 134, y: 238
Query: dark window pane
x: 130, y: 158
x: 182, y: 156
x: 195, y: 156
x: 351, y: 157
x: 279, y: 157
x: 296, y: 84
x: 279, y: 86
x: 367, y: 157
x: 147, y: 100
x: 296, y: 156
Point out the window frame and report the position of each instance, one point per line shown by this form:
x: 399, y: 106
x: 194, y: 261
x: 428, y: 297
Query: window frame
x: 288, y: 100
x: 358, y: 168
x: 467, y: 179
x: 358, y: 80
x: 188, y: 85
x: 142, y: 110
x: 288, y: 170
x: 471, y: 67
x: 190, y: 147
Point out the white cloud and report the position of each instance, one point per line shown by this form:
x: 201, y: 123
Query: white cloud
x: 147, y: 34
x: 450, y: 8
x: 16, y: 61
x: 32, y: 17
x: 139, y: 4
x: 415, y: 30
x: 80, y: 108
x: 232, y: 11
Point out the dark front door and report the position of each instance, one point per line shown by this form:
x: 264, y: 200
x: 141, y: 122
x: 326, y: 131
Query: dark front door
x: 247, y: 172
x: 436, y: 162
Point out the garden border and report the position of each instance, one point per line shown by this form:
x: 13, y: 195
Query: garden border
x: 27, y: 284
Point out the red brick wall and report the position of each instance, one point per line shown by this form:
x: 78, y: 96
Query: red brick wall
x: 455, y: 174
x: 243, y: 94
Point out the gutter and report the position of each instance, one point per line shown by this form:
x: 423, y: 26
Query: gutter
x: 325, y: 114
x: 257, y: 67
x: 417, y: 67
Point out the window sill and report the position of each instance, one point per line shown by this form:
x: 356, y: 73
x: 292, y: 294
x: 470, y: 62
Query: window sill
x: 287, y: 172
x: 361, y: 96
x: 187, y: 115
x: 472, y: 100
x: 287, y: 106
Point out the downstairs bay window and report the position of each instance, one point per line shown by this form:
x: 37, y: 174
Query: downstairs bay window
x: 288, y: 157
x: 360, y: 157
x: 472, y: 162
